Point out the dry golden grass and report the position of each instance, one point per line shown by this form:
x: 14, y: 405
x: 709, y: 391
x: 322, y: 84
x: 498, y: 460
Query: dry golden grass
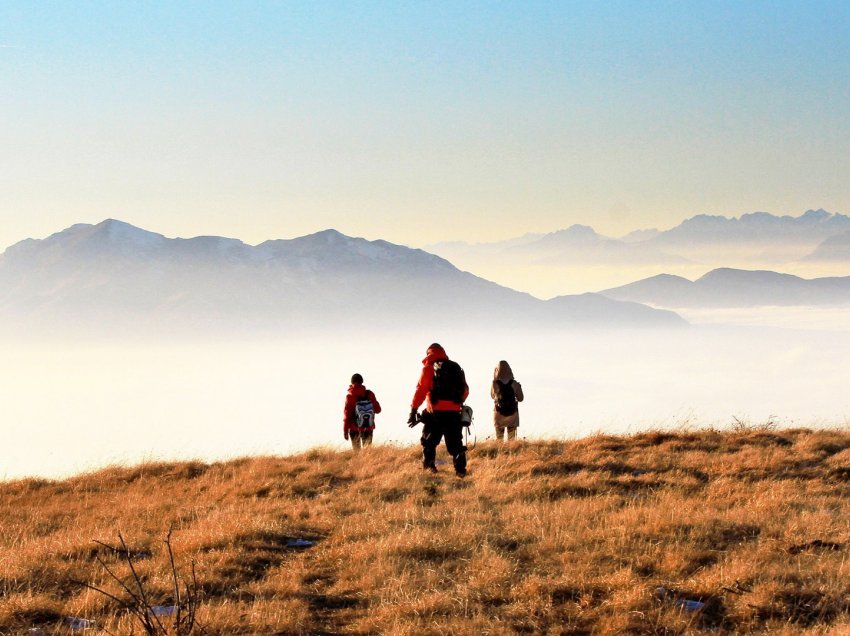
x: 541, y: 538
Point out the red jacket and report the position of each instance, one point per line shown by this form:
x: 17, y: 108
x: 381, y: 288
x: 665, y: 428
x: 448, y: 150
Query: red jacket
x: 426, y: 383
x: 349, y: 418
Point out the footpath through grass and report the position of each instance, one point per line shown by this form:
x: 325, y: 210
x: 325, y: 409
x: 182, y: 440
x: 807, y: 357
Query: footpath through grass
x: 656, y: 533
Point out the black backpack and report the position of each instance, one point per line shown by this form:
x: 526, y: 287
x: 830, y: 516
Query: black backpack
x: 506, y: 403
x: 449, y: 382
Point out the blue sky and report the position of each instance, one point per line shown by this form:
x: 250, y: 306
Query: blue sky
x: 418, y: 122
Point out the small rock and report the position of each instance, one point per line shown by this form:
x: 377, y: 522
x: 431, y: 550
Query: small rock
x: 682, y: 603
x: 690, y: 605
x: 78, y: 624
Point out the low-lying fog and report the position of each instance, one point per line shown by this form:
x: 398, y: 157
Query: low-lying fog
x: 66, y: 408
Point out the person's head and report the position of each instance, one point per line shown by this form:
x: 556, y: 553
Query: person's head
x: 356, y: 379
x: 434, y: 352
x: 433, y: 348
x: 503, y: 372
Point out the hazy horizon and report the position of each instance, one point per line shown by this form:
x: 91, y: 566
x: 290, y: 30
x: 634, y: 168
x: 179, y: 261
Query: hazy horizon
x: 75, y: 406
x: 473, y: 238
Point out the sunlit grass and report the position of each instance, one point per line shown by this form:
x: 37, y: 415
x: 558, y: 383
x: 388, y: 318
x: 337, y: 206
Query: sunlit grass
x: 543, y: 537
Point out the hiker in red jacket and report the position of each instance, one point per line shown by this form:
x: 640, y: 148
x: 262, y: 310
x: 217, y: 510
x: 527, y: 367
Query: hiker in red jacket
x: 359, y: 413
x: 442, y: 386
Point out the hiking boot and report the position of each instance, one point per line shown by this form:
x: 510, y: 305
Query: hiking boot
x: 459, y: 462
x: 430, y: 468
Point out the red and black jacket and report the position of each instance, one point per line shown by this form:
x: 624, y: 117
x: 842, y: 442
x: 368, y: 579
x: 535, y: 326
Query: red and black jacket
x: 426, y: 383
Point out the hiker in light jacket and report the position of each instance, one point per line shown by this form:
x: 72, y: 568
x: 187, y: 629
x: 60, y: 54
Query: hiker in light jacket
x: 359, y: 428
x: 506, y: 392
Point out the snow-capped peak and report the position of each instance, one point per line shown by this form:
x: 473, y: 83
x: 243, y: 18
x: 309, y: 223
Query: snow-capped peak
x: 120, y: 232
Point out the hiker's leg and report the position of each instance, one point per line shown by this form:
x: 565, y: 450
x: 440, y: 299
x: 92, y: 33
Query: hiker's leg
x: 457, y: 450
x: 511, y: 422
x: 453, y: 430
x: 366, y: 438
x: 354, y: 436
x: 431, y: 435
x: 500, y: 423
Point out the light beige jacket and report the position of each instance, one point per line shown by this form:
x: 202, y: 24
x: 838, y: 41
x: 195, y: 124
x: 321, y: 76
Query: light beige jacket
x: 502, y: 375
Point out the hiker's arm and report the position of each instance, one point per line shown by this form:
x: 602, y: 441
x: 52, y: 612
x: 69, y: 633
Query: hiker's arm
x: 347, y: 412
x: 518, y: 391
x: 376, y: 406
x: 426, y: 381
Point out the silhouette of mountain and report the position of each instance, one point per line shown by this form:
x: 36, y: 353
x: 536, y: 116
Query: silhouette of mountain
x: 638, y: 236
x: 753, y: 238
x: 756, y: 228
x: 575, y: 245
x: 726, y: 287
x: 835, y: 248
x: 581, y: 245
x: 586, y: 309
x: 115, y: 275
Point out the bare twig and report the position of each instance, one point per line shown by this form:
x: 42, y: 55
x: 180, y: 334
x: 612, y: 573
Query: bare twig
x: 137, y: 601
x: 146, y: 606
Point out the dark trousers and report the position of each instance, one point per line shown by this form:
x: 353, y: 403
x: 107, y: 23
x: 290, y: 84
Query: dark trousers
x: 359, y: 438
x: 436, y: 426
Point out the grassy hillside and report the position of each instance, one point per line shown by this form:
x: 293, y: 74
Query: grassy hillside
x: 541, y: 538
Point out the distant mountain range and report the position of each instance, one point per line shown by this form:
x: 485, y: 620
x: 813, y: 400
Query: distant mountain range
x: 811, y: 227
x: 578, y: 258
x: 575, y: 245
x: 726, y: 287
x: 757, y: 235
x: 116, y: 276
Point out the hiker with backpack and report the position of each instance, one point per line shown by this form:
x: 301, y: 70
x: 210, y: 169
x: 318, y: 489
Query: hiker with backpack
x: 506, y: 393
x: 361, y: 407
x: 442, y: 386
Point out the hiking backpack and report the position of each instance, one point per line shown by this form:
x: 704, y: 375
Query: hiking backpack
x: 506, y: 402
x: 364, y: 412
x: 449, y: 382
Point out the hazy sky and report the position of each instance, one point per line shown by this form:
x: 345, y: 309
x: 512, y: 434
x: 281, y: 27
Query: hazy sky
x: 418, y: 122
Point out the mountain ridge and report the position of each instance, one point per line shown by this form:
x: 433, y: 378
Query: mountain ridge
x: 113, y: 273
x: 750, y: 221
x: 579, y: 258
x: 730, y: 287
x: 812, y: 225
